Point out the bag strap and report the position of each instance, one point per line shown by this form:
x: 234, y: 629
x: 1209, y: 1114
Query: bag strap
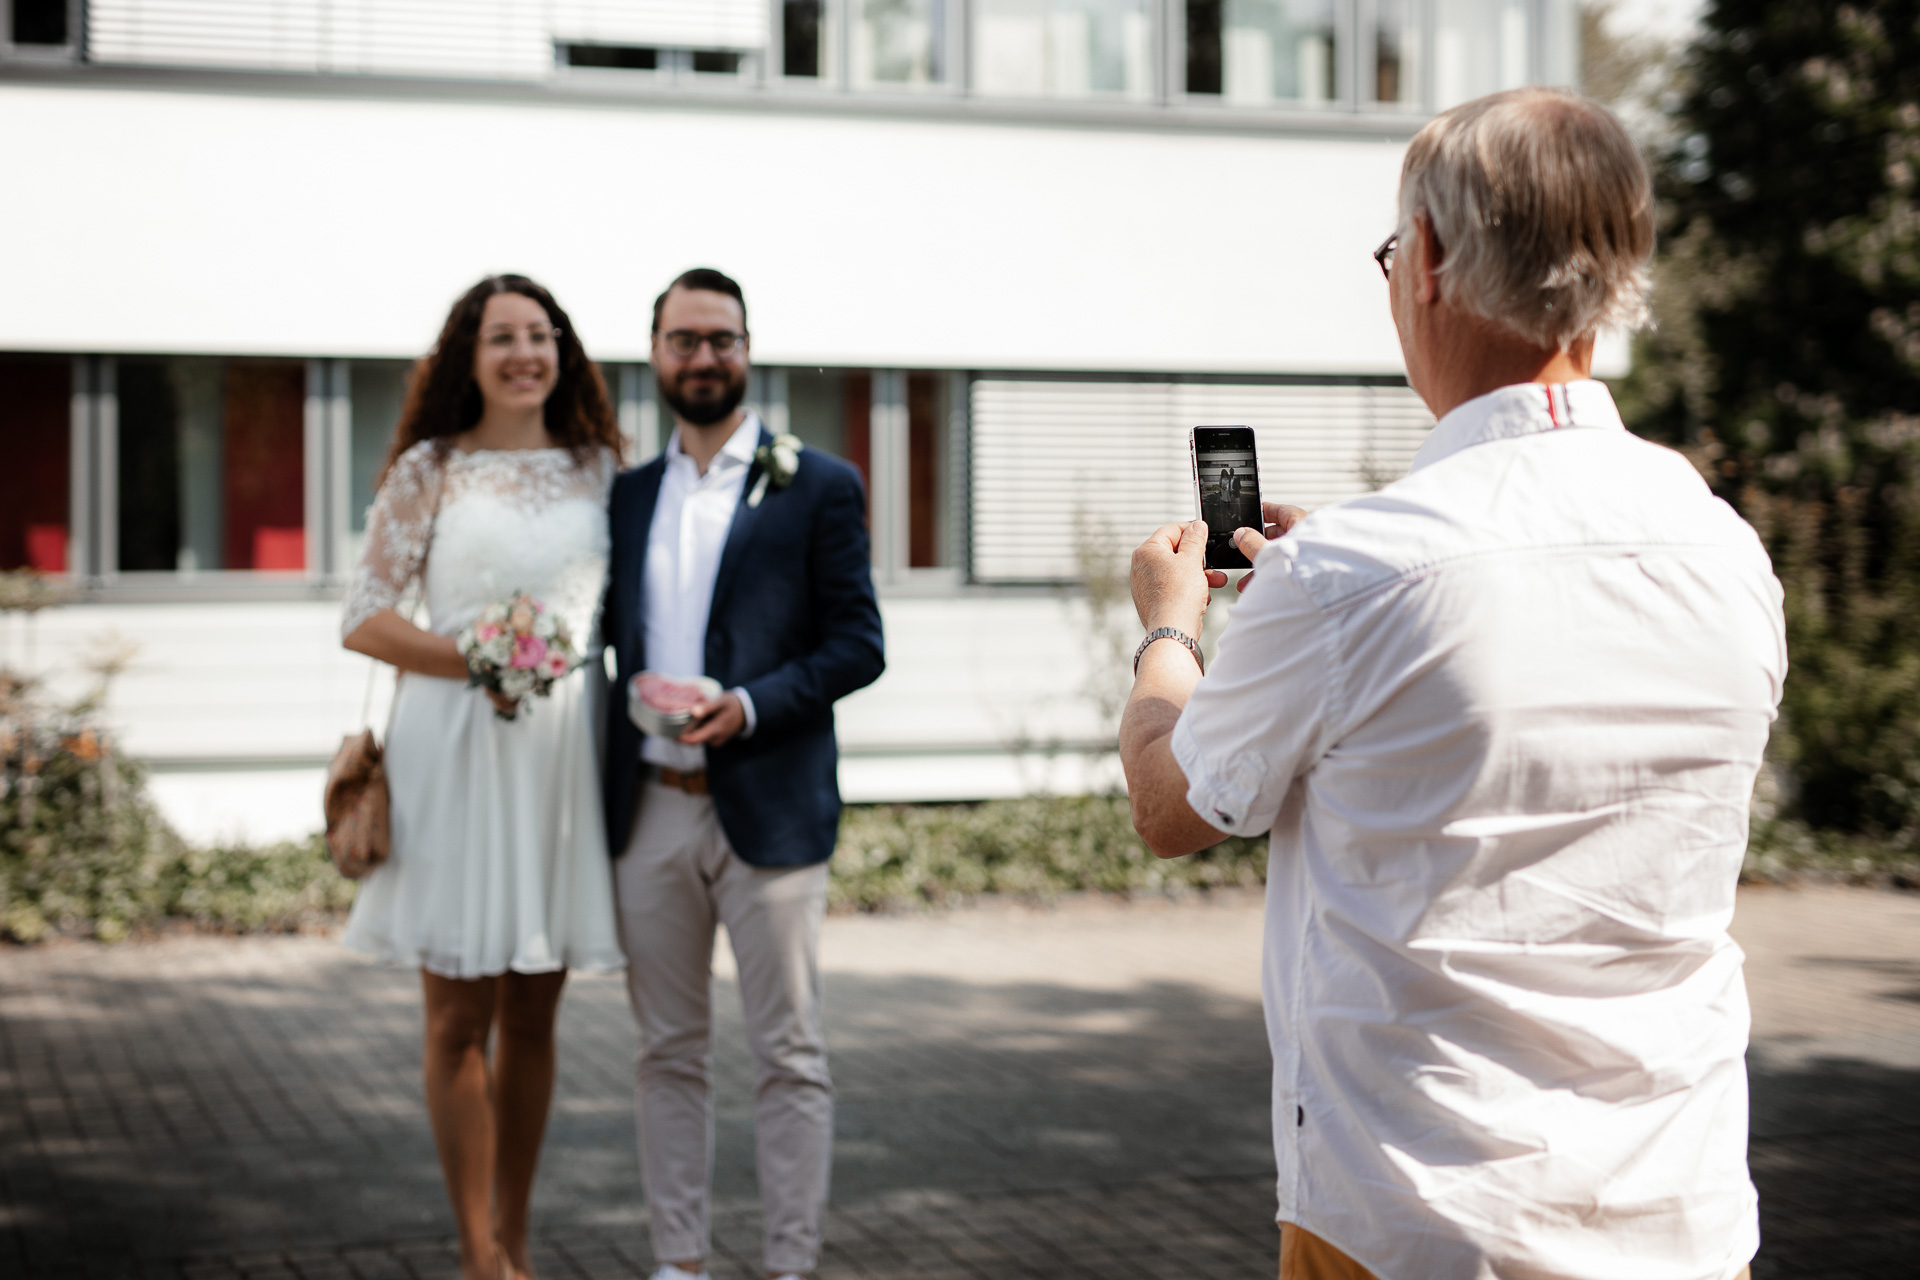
x: 433, y: 522
x: 366, y: 700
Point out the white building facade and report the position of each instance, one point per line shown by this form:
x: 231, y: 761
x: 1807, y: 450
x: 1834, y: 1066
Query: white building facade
x: 1000, y: 254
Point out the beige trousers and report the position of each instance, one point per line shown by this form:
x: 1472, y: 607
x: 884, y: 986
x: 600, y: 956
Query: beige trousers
x: 1305, y: 1256
x: 676, y: 880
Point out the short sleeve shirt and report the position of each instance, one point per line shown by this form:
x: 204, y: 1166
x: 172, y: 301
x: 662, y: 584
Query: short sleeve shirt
x: 1502, y: 719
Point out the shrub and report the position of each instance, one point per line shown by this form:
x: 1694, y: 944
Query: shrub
x: 1784, y: 850
x: 900, y: 855
x: 1850, y: 716
x: 1786, y: 364
x: 81, y: 848
x: 83, y: 852
x: 274, y: 888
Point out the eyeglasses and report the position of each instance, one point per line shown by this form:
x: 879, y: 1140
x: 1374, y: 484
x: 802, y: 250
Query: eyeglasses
x: 539, y: 337
x: 1384, y: 254
x: 684, y: 342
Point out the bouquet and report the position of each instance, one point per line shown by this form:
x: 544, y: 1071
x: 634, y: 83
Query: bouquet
x: 517, y: 649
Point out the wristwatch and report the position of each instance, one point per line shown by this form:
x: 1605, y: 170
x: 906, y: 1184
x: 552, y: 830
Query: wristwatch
x: 1169, y: 633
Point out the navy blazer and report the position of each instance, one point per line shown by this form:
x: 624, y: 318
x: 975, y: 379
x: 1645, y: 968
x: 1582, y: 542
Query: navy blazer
x: 794, y: 622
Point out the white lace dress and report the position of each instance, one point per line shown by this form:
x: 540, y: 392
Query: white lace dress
x: 499, y: 849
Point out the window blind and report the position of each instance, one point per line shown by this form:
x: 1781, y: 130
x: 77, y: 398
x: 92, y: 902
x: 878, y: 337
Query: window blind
x: 1060, y: 463
x: 474, y: 38
x: 670, y: 24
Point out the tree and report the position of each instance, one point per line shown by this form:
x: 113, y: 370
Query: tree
x: 1786, y: 363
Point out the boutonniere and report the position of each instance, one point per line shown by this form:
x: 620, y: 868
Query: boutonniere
x: 777, y: 462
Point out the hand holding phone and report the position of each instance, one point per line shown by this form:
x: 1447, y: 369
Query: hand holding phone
x: 1226, y: 481
x: 1279, y: 519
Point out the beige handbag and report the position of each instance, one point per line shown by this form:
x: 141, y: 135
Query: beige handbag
x: 359, y: 833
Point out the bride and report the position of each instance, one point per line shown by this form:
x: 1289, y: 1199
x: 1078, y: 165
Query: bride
x: 498, y: 882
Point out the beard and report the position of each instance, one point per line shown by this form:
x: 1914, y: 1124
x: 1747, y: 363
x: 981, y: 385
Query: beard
x: 706, y: 399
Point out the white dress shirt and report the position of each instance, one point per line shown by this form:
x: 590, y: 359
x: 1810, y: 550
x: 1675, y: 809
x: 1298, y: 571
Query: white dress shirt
x: 1503, y: 719
x: 691, y: 518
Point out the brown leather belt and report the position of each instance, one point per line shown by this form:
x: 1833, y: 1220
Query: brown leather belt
x: 693, y: 782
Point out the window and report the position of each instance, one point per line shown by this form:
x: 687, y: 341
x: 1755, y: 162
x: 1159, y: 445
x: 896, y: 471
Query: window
x: 1479, y: 47
x: 803, y: 39
x: 929, y: 471
x: 895, y: 428
x: 828, y: 409
x: 1062, y: 48
x: 375, y: 391
x: 35, y: 421
x: 898, y: 42
x: 212, y: 465
x: 1254, y: 52
x: 42, y: 23
x: 626, y: 57
x: 1395, y: 40
x: 622, y: 57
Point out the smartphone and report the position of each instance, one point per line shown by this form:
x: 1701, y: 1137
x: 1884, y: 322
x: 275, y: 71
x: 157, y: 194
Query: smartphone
x: 1226, y: 482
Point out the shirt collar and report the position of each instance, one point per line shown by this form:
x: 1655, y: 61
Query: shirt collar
x: 1525, y: 409
x: 740, y: 446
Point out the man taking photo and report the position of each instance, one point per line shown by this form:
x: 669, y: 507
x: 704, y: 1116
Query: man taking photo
x: 1502, y: 719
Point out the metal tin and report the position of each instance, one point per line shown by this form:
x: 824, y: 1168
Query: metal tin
x: 666, y: 724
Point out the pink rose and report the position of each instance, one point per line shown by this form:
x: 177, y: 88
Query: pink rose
x: 553, y: 666
x: 528, y: 651
x: 487, y: 631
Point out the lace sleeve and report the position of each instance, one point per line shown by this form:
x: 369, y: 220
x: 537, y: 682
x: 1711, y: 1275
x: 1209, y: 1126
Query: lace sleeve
x: 399, y: 526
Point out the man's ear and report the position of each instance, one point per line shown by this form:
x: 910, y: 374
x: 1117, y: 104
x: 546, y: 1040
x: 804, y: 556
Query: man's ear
x: 1428, y: 256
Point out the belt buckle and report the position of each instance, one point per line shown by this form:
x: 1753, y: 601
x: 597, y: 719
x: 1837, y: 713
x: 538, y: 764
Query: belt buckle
x: 691, y: 781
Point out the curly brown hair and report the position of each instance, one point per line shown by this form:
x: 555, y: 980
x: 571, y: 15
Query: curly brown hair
x: 443, y: 400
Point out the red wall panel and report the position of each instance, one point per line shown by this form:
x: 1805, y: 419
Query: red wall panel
x: 35, y: 426
x: 265, y: 482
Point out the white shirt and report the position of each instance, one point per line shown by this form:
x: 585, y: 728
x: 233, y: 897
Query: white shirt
x: 1503, y: 720
x: 691, y: 518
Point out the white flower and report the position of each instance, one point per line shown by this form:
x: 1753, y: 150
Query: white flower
x: 518, y: 682
x: 778, y: 462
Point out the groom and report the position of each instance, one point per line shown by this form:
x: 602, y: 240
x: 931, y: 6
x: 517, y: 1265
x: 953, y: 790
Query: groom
x: 729, y: 563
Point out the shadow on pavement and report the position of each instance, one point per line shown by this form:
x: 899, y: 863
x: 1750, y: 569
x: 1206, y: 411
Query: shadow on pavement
x: 278, y: 1116
x: 270, y: 1123
x: 1836, y: 1157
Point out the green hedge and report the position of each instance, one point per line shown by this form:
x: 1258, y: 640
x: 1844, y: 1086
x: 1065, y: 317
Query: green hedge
x: 80, y: 845
x: 83, y: 853
x: 901, y: 855
x: 1783, y: 850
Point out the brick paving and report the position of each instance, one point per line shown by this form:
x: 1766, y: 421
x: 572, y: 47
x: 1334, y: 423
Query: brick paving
x: 1023, y: 1093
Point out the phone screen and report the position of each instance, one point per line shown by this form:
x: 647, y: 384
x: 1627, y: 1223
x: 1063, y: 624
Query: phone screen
x: 1227, y: 475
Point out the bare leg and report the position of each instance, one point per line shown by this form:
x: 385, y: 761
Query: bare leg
x: 459, y: 1014
x: 522, y: 1091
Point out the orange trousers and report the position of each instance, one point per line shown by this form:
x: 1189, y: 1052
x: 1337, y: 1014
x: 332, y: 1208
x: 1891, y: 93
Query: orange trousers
x: 1305, y: 1256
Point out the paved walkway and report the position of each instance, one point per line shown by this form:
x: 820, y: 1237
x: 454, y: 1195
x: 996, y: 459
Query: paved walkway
x: 1023, y: 1093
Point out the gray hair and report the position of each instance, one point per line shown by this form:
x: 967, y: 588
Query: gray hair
x: 1544, y: 209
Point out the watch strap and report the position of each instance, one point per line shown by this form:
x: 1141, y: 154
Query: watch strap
x: 1169, y: 633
